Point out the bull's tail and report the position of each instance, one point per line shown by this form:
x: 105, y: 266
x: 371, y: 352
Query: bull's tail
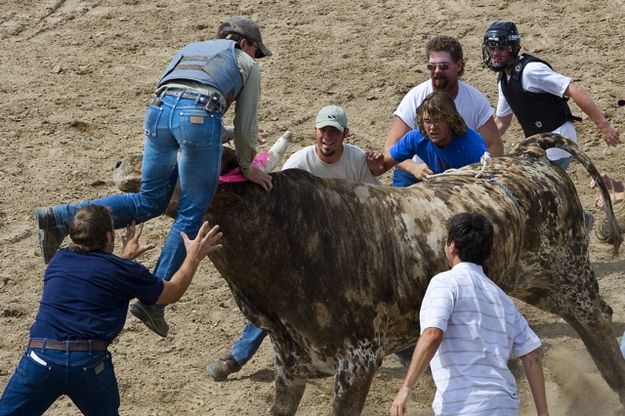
x: 548, y: 140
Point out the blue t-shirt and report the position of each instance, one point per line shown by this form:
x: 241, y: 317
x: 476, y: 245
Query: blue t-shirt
x: 86, y: 295
x: 463, y: 150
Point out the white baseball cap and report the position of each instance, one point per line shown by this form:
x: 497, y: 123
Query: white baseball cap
x: 331, y: 115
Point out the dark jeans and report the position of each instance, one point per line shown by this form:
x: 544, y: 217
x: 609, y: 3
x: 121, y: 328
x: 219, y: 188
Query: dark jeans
x: 42, y: 376
x: 247, y: 345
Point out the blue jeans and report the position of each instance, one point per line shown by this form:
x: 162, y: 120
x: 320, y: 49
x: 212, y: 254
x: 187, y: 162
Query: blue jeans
x: 247, y: 345
x: 402, y: 179
x: 87, y: 378
x: 182, y: 141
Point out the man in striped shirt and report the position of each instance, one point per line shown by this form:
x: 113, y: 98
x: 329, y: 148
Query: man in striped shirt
x: 469, y: 329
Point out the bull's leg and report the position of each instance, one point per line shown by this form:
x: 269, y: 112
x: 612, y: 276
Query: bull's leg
x: 351, y: 383
x: 582, y: 307
x: 289, y: 392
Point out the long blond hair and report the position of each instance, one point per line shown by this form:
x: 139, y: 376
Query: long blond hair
x: 440, y: 107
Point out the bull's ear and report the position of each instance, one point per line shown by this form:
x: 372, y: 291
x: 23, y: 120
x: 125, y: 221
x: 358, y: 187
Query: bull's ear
x: 225, y: 200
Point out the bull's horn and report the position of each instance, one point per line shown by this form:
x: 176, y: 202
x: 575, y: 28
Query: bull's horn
x: 277, y: 151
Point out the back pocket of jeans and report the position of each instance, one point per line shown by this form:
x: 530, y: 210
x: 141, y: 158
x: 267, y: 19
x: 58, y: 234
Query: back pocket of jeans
x: 99, y: 375
x: 32, y: 373
x: 151, y: 119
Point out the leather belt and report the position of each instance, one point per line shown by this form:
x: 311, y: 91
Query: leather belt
x: 213, y: 103
x: 79, y: 345
x: 191, y: 95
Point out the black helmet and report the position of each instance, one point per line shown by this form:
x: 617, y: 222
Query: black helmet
x: 500, y: 33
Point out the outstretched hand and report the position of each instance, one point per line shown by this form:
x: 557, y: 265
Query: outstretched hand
x: 204, y: 243
x: 131, y: 248
x: 420, y: 171
x: 375, y: 162
x: 610, y: 134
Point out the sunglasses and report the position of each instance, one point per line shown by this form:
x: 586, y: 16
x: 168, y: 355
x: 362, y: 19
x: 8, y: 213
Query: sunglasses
x: 442, y: 67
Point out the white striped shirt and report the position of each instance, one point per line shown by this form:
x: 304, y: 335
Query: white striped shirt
x: 482, y: 328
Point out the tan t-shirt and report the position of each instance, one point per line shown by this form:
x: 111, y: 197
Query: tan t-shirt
x: 351, y: 166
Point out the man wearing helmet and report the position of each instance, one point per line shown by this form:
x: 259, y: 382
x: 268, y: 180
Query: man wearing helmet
x: 530, y: 89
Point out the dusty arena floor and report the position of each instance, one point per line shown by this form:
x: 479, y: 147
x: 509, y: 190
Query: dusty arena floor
x: 76, y: 77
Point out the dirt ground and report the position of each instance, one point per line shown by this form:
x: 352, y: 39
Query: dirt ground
x: 76, y: 77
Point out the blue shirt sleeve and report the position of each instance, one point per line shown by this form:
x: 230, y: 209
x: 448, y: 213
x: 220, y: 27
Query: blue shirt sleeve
x: 407, y: 146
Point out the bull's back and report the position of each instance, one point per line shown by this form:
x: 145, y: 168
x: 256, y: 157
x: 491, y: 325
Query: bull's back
x: 331, y: 256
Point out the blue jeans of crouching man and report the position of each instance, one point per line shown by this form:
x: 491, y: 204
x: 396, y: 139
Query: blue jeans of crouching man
x: 247, y: 345
x: 182, y: 141
x: 43, y: 375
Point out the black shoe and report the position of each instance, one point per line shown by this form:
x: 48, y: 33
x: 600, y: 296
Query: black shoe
x: 152, y: 316
x: 48, y: 235
x: 221, y: 368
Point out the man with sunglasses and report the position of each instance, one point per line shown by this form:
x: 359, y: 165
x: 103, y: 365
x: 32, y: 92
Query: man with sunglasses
x: 183, y: 140
x: 446, y: 66
x: 530, y: 89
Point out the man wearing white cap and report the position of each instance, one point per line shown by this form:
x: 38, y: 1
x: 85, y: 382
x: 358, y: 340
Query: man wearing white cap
x: 328, y: 158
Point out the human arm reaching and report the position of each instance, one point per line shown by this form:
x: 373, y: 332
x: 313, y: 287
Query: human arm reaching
x: 503, y: 123
x: 491, y: 134
x: 131, y: 247
x: 205, y: 242
x: 536, y: 379
x: 588, y: 106
x: 428, y: 343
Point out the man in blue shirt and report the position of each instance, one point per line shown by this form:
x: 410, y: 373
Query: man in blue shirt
x: 442, y: 140
x: 83, y: 308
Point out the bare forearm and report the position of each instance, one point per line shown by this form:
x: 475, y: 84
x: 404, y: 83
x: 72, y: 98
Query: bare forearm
x: 426, y: 347
x: 503, y: 123
x: 586, y: 104
x: 179, y: 283
x: 492, y: 138
x: 205, y: 242
x: 608, y: 131
x: 536, y: 379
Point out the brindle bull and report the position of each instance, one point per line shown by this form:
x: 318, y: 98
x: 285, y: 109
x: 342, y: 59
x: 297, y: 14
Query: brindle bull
x: 336, y: 271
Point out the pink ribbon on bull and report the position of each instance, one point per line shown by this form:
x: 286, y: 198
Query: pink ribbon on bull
x: 235, y: 175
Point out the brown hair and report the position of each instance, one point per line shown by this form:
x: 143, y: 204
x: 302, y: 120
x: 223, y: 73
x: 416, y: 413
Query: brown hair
x: 445, y: 44
x: 439, y: 106
x: 88, y: 228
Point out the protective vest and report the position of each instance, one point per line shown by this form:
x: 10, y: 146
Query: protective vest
x: 536, y: 112
x: 210, y: 62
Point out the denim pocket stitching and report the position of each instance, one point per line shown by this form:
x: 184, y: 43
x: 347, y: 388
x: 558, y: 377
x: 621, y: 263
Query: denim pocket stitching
x: 36, y: 375
x: 212, y: 127
x: 150, y: 124
x: 102, y: 380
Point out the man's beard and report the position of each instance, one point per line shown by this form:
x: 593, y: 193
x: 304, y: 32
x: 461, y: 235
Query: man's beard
x: 440, y: 84
x: 327, y: 151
